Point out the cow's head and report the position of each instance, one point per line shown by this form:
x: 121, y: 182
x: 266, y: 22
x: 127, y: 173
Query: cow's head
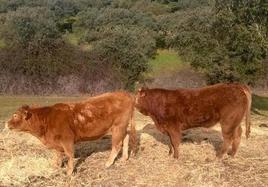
x: 141, y: 100
x: 20, y: 119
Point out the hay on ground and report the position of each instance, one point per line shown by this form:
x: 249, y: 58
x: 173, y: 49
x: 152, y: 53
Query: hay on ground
x: 24, y: 161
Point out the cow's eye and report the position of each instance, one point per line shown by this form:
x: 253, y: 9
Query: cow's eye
x: 15, y: 115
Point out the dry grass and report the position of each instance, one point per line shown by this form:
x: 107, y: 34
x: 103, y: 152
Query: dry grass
x: 26, y: 162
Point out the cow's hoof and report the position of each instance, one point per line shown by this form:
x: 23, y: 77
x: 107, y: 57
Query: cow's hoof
x: 133, y: 153
x: 176, y: 156
x: 219, y: 155
x: 108, y: 164
x: 69, y: 172
x: 124, y: 159
x: 231, y: 153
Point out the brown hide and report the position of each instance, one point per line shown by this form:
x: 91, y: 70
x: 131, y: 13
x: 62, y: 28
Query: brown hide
x: 177, y: 110
x: 61, y: 125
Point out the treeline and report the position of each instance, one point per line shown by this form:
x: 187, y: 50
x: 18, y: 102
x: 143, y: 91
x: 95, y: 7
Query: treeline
x: 114, y: 39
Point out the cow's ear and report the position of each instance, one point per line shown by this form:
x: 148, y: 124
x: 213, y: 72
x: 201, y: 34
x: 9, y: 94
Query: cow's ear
x: 26, y: 112
x: 28, y: 115
x: 142, y: 93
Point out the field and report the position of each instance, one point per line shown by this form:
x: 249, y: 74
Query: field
x: 165, y: 62
x: 169, y: 71
x: 24, y: 161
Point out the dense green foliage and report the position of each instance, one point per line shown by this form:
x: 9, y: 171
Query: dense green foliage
x: 114, y: 40
x: 228, y: 42
x: 30, y: 27
x: 127, y: 51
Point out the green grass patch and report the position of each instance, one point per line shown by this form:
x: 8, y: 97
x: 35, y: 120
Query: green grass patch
x: 2, y: 43
x: 166, y: 61
x: 260, y: 102
x: 74, y: 39
x: 9, y: 104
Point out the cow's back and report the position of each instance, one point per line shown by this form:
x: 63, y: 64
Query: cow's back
x: 195, y: 107
x: 96, y: 116
x: 206, y: 106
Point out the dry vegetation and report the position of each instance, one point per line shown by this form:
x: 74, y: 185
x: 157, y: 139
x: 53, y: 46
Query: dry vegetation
x: 26, y: 162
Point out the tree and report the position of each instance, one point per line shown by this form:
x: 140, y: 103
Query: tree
x: 96, y: 19
x: 228, y: 43
x: 126, y: 51
x: 30, y: 27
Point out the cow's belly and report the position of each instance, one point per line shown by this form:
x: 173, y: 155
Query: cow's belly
x: 202, y: 119
x: 92, y: 130
x: 51, y: 142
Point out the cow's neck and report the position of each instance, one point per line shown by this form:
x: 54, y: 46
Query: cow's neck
x: 37, y: 126
x: 153, y: 111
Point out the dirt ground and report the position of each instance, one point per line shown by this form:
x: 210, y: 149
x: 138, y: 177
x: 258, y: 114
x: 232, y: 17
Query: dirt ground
x: 24, y: 161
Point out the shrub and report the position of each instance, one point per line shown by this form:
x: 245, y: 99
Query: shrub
x: 30, y: 27
x: 126, y: 51
x: 224, y: 43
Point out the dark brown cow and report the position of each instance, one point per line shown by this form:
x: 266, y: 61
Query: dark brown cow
x: 62, y: 125
x: 176, y: 110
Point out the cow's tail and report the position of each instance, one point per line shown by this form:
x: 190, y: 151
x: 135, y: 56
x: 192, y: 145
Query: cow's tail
x: 133, y: 133
x: 248, y: 94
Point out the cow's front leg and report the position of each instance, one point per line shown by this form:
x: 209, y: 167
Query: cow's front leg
x: 58, y: 158
x: 175, y: 137
x: 170, y: 146
x: 68, y: 147
x: 170, y: 149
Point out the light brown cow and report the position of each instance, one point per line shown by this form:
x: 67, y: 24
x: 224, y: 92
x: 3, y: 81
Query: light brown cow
x: 62, y: 125
x: 176, y: 110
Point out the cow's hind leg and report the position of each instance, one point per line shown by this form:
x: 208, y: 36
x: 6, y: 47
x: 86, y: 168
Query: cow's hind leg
x: 118, y: 134
x: 236, y: 140
x: 125, y: 148
x: 230, y: 129
x: 227, y: 140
